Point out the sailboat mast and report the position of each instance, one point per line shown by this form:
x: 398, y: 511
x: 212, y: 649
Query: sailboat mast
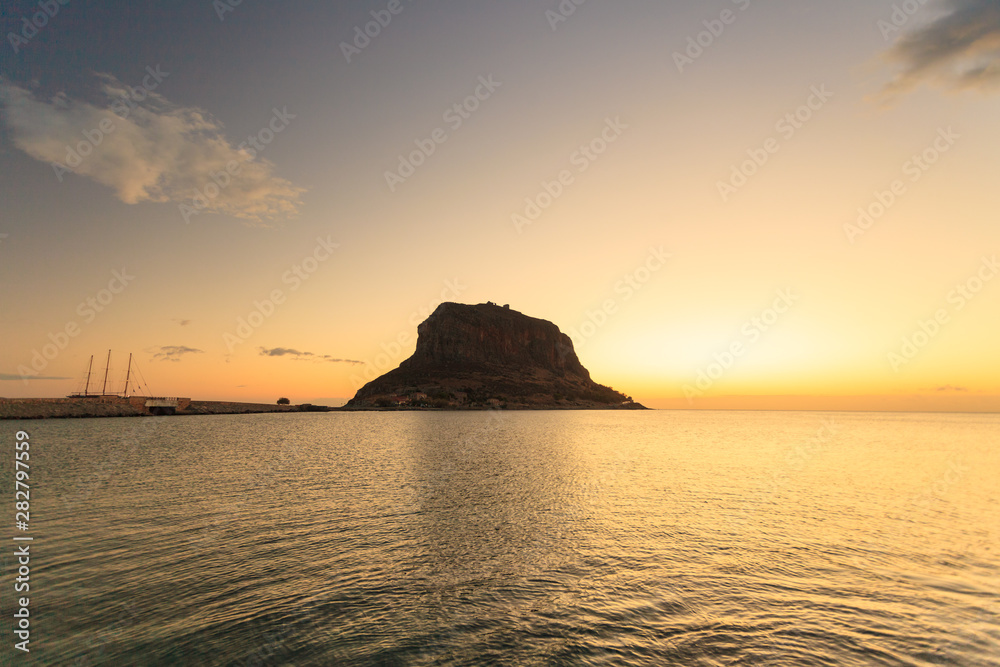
x: 86, y: 388
x: 127, y: 374
x: 104, y: 387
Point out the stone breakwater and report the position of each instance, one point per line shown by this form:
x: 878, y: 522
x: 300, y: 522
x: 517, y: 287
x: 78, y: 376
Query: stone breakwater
x: 111, y: 406
x: 229, y: 408
x: 45, y: 408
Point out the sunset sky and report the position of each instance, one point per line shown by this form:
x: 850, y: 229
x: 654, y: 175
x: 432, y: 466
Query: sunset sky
x: 729, y: 204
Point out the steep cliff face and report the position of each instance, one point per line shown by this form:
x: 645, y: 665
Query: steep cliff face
x: 488, y: 355
x: 492, y: 336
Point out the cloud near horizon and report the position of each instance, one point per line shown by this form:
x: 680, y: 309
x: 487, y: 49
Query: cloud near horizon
x: 296, y: 354
x: 959, y: 51
x: 154, y: 151
x: 7, y: 377
x: 173, y: 352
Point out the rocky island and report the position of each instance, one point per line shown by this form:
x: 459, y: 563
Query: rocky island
x: 489, y: 356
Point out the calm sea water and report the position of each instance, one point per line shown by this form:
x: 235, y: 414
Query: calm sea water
x: 539, y: 538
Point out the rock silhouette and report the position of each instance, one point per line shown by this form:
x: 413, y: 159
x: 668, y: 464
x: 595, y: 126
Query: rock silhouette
x: 487, y: 355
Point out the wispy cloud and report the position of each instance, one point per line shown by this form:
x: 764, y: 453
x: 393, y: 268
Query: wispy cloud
x: 7, y: 377
x: 959, y: 50
x: 949, y: 388
x: 173, y: 352
x: 155, y: 150
x: 332, y: 360
x: 181, y: 322
x: 296, y: 354
x: 283, y: 352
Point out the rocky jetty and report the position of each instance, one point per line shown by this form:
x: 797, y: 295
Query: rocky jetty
x: 481, y: 356
x: 113, y: 406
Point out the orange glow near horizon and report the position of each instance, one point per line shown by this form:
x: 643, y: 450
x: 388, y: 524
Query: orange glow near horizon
x: 626, y: 201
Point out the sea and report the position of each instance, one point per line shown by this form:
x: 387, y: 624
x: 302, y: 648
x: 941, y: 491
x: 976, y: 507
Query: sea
x: 511, y: 538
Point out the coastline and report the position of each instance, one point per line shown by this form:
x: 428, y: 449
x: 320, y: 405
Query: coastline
x: 75, y: 408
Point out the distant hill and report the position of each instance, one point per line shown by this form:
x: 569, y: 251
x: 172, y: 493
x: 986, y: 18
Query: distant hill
x: 485, y: 355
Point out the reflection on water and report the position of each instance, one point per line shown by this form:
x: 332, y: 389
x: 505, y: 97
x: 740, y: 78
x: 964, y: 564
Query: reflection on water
x: 578, y: 538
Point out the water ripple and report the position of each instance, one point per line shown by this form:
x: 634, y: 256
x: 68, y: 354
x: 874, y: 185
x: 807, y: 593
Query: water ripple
x: 664, y: 538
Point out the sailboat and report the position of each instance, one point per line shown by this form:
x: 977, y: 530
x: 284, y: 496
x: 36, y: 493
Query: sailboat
x: 156, y: 405
x: 86, y: 386
x: 86, y: 393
